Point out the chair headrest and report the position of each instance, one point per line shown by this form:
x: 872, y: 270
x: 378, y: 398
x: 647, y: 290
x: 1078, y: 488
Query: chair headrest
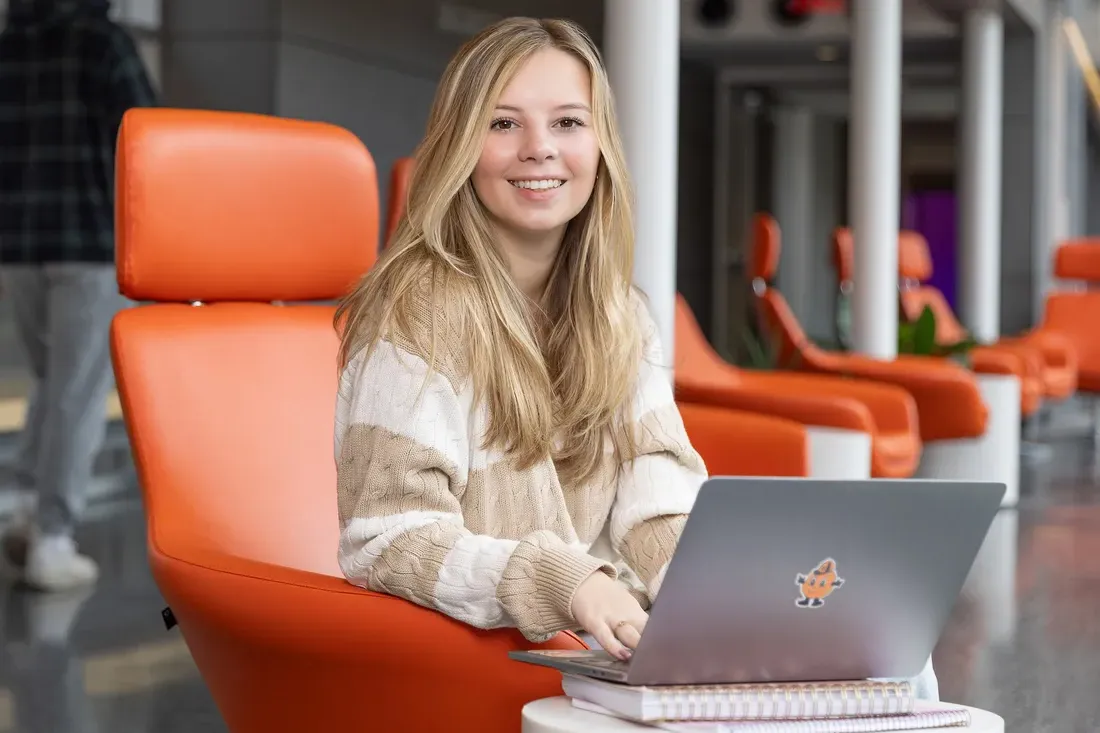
x: 843, y: 253
x: 1078, y: 259
x: 914, y: 259
x: 766, y: 244
x: 219, y: 206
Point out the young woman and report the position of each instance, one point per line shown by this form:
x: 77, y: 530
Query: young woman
x: 509, y: 452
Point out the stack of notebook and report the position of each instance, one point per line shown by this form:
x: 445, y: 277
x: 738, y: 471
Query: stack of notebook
x: 821, y: 707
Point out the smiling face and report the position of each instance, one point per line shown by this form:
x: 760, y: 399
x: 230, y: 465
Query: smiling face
x: 538, y: 165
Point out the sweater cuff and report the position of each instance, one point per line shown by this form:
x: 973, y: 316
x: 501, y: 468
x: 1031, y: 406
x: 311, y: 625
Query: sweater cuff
x: 539, y: 583
x: 560, y: 573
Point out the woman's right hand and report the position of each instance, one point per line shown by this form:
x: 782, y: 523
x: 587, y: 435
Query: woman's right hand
x: 604, y: 608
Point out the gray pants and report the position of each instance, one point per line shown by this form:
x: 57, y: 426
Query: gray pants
x: 62, y: 315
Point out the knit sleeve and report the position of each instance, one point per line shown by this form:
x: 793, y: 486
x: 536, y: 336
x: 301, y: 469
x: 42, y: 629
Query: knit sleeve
x: 657, y: 489
x: 402, y: 452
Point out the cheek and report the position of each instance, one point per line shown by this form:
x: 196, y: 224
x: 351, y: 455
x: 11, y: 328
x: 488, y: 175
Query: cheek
x: 489, y: 170
x: 584, y: 162
x: 583, y: 158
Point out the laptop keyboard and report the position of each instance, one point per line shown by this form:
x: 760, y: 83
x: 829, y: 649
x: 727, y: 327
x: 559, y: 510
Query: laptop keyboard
x: 607, y: 662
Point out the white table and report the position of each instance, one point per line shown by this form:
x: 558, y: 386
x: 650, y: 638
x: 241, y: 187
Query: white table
x: 557, y: 715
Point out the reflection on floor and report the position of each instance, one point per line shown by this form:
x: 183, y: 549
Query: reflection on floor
x: 1024, y: 639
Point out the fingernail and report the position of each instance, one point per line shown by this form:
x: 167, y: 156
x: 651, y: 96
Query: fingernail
x: 625, y: 654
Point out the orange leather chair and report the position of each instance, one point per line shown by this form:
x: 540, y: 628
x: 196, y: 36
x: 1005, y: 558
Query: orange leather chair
x: 230, y: 410
x: 229, y: 401
x: 1018, y: 359
x: 888, y: 414
x: 949, y: 403
x: 400, y: 176
x: 766, y: 446
x: 1074, y: 315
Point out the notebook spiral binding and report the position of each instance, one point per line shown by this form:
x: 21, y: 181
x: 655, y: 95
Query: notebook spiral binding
x: 930, y: 719
x: 785, y: 701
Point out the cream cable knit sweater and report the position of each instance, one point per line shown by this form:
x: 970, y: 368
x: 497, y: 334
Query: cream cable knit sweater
x: 428, y: 515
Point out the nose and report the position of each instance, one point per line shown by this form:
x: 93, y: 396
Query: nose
x: 538, y: 146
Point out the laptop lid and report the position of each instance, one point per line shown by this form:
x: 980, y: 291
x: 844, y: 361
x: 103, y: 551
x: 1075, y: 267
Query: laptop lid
x: 780, y: 579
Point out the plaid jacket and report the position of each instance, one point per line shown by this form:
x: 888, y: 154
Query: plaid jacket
x: 67, y: 74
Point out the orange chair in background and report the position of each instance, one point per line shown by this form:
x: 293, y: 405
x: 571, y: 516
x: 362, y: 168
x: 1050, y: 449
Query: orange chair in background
x: 949, y: 401
x: 765, y: 446
x: 1075, y: 314
x: 230, y: 410
x: 1019, y: 359
x: 400, y: 176
x: 888, y: 414
x: 1047, y: 363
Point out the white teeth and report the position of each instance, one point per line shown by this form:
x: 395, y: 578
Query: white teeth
x: 537, y: 185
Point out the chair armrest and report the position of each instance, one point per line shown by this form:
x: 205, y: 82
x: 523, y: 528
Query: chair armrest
x: 892, y: 408
x: 1002, y: 360
x: 734, y: 443
x: 1057, y: 349
x: 807, y: 408
x: 949, y: 402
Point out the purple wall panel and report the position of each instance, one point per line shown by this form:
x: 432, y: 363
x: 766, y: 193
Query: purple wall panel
x: 932, y: 213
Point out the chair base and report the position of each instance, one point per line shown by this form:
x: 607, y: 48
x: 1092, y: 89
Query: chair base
x: 839, y: 454
x: 994, y: 456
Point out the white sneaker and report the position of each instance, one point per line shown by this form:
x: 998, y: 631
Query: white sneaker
x: 53, y: 564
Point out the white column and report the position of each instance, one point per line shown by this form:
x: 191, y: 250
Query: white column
x: 874, y: 185
x: 794, y: 191
x: 980, y: 173
x: 1053, y: 85
x: 642, y: 51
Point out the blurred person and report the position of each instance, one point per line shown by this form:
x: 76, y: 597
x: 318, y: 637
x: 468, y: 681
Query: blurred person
x: 67, y: 75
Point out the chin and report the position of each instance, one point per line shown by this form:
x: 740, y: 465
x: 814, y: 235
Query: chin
x: 539, y: 227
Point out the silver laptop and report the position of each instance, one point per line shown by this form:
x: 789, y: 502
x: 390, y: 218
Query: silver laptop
x: 779, y: 580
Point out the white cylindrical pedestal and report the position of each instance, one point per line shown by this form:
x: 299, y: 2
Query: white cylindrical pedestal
x: 839, y: 454
x: 980, y: 173
x: 992, y: 578
x: 642, y: 51
x: 994, y: 456
x: 874, y: 177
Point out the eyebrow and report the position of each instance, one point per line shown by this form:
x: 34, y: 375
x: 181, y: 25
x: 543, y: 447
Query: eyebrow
x: 571, y: 105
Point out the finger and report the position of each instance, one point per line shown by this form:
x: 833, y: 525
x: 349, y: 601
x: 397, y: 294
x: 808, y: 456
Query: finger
x: 629, y: 635
x: 640, y: 621
x: 606, y: 637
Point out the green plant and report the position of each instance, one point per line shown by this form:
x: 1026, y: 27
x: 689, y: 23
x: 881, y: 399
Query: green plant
x: 919, y: 338
x: 760, y: 354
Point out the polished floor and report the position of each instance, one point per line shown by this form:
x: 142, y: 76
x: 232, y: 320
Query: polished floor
x: 1024, y: 639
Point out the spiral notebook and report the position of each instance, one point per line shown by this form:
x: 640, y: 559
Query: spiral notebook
x: 761, y: 701
x: 924, y: 716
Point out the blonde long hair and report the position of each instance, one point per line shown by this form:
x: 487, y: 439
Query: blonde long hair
x: 557, y: 383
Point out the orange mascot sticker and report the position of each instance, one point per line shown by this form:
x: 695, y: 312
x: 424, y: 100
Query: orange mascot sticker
x: 818, y: 584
